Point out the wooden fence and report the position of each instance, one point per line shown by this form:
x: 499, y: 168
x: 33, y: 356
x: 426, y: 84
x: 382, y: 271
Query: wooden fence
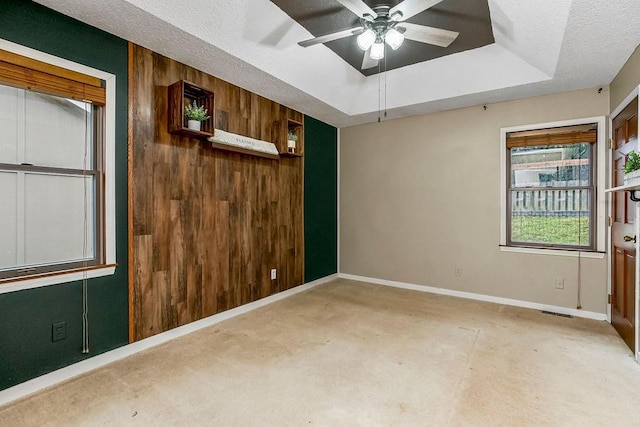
x: 545, y: 202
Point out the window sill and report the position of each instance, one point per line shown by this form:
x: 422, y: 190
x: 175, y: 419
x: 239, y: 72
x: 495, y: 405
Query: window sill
x: 13, y: 285
x: 555, y: 252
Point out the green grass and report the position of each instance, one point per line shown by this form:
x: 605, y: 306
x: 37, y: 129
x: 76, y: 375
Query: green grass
x: 559, y: 230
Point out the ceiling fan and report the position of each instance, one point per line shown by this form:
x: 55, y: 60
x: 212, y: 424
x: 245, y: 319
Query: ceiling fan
x: 385, y: 24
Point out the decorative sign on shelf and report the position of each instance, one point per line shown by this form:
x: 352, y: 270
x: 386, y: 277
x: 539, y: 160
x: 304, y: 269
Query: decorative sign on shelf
x: 243, y: 142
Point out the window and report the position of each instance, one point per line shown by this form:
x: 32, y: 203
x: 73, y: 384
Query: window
x: 56, y: 165
x: 550, y: 192
x: 50, y: 181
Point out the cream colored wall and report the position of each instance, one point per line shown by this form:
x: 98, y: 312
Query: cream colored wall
x: 627, y: 80
x: 420, y: 196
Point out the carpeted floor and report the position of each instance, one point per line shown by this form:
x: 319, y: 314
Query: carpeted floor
x: 348, y: 353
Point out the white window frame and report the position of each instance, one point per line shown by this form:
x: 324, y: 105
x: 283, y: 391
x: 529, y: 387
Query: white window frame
x: 600, y: 206
x: 109, y: 230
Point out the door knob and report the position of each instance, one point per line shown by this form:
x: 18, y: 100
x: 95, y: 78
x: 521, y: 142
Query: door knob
x: 629, y: 238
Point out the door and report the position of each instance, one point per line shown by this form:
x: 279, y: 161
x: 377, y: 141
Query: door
x: 623, y: 230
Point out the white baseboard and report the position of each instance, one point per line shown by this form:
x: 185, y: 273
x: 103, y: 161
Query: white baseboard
x: 24, y: 389
x: 480, y: 297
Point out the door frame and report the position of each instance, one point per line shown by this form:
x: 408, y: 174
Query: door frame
x: 635, y: 92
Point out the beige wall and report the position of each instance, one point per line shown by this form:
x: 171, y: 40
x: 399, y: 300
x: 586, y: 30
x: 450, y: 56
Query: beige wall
x: 420, y: 196
x: 627, y: 80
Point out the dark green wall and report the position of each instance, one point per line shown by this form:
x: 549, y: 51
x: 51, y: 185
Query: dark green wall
x: 26, y: 350
x: 320, y: 199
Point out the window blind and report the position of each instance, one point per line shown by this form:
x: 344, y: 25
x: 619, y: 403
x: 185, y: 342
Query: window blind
x: 554, y: 136
x: 30, y: 74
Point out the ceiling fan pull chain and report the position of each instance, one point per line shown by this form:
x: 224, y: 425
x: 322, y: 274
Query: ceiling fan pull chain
x: 385, y: 85
x: 378, y: 91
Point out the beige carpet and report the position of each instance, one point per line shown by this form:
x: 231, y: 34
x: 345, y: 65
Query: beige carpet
x: 349, y: 353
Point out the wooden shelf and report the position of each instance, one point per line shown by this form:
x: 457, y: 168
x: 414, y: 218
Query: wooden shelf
x: 182, y: 93
x: 194, y: 133
x: 226, y: 147
x: 297, y: 128
x: 287, y: 154
x: 626, y: 187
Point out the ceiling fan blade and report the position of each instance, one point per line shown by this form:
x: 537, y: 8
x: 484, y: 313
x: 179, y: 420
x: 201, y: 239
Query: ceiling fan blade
x: 367, y: 62
x: 330, y: 37
x: 358, y: 7
x: 409, y: 8
x: 429, y: 35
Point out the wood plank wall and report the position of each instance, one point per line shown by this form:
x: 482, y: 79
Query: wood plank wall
x: 207, y: 225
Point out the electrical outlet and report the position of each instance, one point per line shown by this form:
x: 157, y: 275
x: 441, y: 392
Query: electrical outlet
x: 560, y: 283
x: 273, y: 274
x: 58, y: 331
x: 458, y: 271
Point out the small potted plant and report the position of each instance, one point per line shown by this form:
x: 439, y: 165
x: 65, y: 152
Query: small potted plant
x: 292, y: 138
x: 195, y: 115
x: 632, y: 168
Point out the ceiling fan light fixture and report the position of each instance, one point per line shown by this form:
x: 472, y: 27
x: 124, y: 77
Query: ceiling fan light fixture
x: 394, y: 38
x: 366, y: 39
x: 377, y: 50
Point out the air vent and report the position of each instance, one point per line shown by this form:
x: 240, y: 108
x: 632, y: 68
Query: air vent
x: 557, y: 314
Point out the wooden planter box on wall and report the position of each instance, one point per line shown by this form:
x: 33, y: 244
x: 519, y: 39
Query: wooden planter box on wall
x: 182, y: 93
x: 206, y: 225
x: 297, y: 128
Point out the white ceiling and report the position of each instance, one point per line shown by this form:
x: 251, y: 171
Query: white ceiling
x: 542, y: 47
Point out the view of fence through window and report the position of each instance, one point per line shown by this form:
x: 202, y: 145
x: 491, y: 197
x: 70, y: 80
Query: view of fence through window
x: 551, y: 194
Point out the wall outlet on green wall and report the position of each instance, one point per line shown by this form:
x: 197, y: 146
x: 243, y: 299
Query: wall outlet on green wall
x: 59, y: 331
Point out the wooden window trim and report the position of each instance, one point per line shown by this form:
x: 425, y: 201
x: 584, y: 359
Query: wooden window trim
x: 56, y: 273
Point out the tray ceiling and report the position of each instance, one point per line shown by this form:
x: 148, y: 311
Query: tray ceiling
x: 468, y: 17
x: 541, y: 47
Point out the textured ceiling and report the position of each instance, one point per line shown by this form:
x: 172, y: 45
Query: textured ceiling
x: 468, y: 17
x: 541, y: 47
